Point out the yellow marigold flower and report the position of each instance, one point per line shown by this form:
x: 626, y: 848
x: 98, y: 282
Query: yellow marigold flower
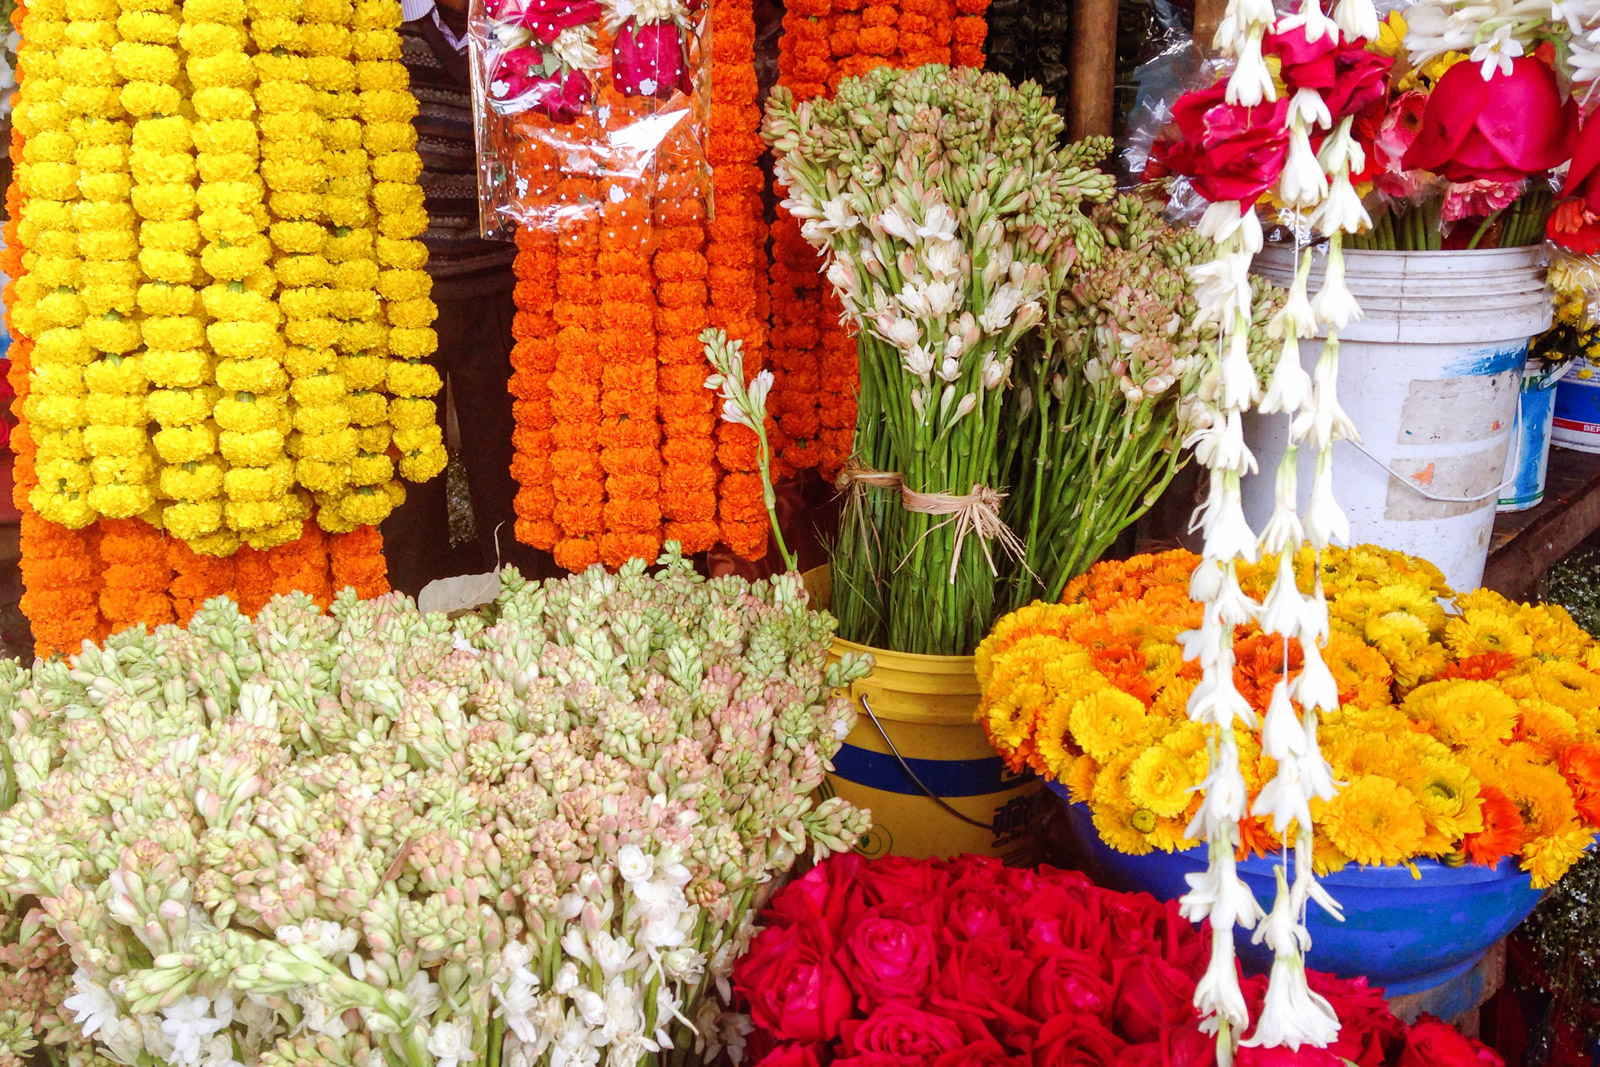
x: 69, y: 509
x: 1052, y: 736
x: 359, y: 337
x: 320, y: 477
x: 1448, y: 794
x: 255, y: 449
x: 366, y: 506
x: 245, y: 516
x: 65, y: 475
x: 404, y: 224
x: 1009, y: 715
x: 321, y: 332
x: 1071, y: 669
x: 373, y: 438
x: 336, y: 446
x: 408, y: 379
x: 367, y: 408
x: 185, y: 368
x: 406, y: 413
x: 160, y: 265
x: 246, y: 342
x: 259, y: 483
x: 1550, y: 856
x: 1566, y: 685
x: 232, y: 137
x: 195, y: 480
x: 401, y: 254
x: 1374, y: 820
x: 1554, y: 633
x: 423, y: 463
x: 1547, y: 728
x: 1107, y: 722
x: 412, y: 314
x: 54, y: 412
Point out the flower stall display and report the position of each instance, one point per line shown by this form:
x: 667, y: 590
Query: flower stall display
x: 536, y: 834
x: 965, y: 963
x: 1575, y: 335
x: 1467, y: 737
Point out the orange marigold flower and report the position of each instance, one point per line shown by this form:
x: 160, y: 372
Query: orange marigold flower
x: 1502, y: 834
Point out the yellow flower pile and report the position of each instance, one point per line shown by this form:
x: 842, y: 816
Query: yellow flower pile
x: 1466, y: 733
x: 223, y: 278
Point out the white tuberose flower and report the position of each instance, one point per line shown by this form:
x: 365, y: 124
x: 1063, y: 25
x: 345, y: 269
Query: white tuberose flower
x: 91, y: 1006
x: 451, y: 1043
x: 186, y: 1024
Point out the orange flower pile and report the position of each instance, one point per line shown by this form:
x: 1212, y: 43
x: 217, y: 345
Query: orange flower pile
x: 813, y: 356
x: 1466, y: 735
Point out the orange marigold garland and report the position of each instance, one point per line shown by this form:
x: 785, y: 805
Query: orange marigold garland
x: 630, y: 437
x: 355, y: 561
x: 689, y: 476
x: 533, y: 360
x: 196, y: 579
x: 970, y: 31
x: 301, y: 566
x: 576, y: 475
x: 137, y: 574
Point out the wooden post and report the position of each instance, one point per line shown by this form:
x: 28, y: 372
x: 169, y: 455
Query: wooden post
x: 1207, y: 14
x: 1090, y: 100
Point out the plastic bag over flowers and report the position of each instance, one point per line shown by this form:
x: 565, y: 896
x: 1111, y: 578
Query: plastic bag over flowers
x: 569, y: 93
x: 378, y: 837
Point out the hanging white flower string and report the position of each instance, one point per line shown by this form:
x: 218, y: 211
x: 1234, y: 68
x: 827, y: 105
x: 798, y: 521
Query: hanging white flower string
x: 1315, y: 186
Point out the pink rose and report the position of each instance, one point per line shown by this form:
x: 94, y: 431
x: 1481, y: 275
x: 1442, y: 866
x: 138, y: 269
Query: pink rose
x: 889, y: 959
x: 1228, y: 151
x: 1503, y: 129
x: 650, y: 60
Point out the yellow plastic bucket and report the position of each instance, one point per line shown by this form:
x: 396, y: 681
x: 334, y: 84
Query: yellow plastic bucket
x: 918, y: 760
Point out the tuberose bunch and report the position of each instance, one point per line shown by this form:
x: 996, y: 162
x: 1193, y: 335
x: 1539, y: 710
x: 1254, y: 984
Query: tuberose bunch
x: 377, y: 837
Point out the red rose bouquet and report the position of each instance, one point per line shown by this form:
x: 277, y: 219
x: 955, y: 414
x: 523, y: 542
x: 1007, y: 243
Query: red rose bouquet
x: 967, y: 963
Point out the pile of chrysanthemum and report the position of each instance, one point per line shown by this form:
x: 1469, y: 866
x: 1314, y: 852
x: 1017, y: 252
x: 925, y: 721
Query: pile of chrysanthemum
x: 222, y: 285
x: 1468, y: 731
x: 376, y: 837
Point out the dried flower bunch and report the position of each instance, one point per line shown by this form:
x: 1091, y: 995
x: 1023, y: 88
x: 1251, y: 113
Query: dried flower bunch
x: 376, y: 837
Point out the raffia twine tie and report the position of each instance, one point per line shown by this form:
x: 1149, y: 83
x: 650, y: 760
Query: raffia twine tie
x: 853, y: 481
x: 977, y: 513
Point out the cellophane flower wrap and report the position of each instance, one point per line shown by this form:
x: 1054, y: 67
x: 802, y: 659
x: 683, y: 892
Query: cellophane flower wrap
x: 534, y: 835
x: 540, y: 71
x: 965, y: 963
x: 1467, y: 736
x: 952, y: 218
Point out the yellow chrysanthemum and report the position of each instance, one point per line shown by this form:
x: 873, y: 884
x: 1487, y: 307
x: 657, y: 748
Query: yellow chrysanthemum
x: 1567, y: 685
x: 1448, y: 794
x: 1482, y: 630
x: 1163, y: 780
x: 1554, y: 634
x: 1549, y: 857
x: 1464, y: 713
x: 1407, y: 644
x: 1362, y: 673
x: 1411, y: 600
x: 1547, y: 728
x: 1108, y: 721
x: 1080, y: 779
x: 1036, y: 618
x: 1391, y: 36
x: 1121, y: 824
x: 1375, y: 821
x: 1009, y: 716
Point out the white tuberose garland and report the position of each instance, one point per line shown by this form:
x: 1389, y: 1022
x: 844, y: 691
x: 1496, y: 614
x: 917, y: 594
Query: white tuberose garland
x: 1315, y: 185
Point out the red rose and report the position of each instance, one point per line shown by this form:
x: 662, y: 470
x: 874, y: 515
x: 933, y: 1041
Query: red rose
x: 793, y: 987
x: 650, y: 60
x: 1369, y: 1033
x: 896, y: 880
x: 1228, y: 151
x: 1136, y: 922
x: 791, y: 1056
x: 1361, y: 79
x: 901, y: 1030
x: 889, y: 959
x: 1432, y: 1043
x: 1583, y: 176
x: 817, y: 895
x: 1072, y: 983
x: 1068, y: 1041
x: 1306, y: 1056
x: 1303, y: 64
x: 878, y: 1059
x: 1503, y: 129
x: 985, y: 1053
x: 977, y: 914
x: 987, y: 974
x: 1187, y: 1047
x: 1058, y: 917
x: 1152, y: 996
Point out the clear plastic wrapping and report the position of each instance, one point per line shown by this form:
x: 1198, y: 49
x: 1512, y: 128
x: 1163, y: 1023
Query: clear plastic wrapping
x: 596, y: 89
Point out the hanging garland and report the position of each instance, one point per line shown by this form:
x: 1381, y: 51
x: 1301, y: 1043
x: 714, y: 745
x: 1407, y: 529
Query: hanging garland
x: 152, y: 285
x: 533, y: 360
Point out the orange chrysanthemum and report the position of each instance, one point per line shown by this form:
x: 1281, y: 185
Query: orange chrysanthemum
x: 1503, y: 831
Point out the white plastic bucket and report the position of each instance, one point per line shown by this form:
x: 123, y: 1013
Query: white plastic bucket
x: 1431, y: 377
x: 1577, y: 410
x: 1528, y: 463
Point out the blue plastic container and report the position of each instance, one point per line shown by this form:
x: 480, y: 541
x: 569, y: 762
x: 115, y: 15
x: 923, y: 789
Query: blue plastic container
x: 1577, y: 414
x: 1403, y: 933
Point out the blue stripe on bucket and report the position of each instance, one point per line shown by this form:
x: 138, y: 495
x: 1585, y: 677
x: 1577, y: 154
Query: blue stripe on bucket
x: 1493, y: 361
x: 944, y: 778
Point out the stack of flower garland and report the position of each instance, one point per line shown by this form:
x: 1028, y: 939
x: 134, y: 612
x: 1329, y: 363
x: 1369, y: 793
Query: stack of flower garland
x: 376, y: 838
x: 1465, y: 737
x: 161, y: 308
x: 615, y: 455
x: 813, y: 356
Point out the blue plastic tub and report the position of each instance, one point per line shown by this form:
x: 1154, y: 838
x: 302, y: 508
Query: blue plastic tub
x: 1404, y: 933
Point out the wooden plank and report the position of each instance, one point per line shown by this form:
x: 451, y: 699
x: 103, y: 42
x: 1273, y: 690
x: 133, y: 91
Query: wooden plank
x: 1526, y: 543
x: 1091, y: 96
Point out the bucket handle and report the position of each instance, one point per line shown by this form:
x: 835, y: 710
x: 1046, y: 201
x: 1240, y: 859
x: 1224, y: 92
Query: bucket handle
x: 1409, y: 483
x: 911, y: 775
